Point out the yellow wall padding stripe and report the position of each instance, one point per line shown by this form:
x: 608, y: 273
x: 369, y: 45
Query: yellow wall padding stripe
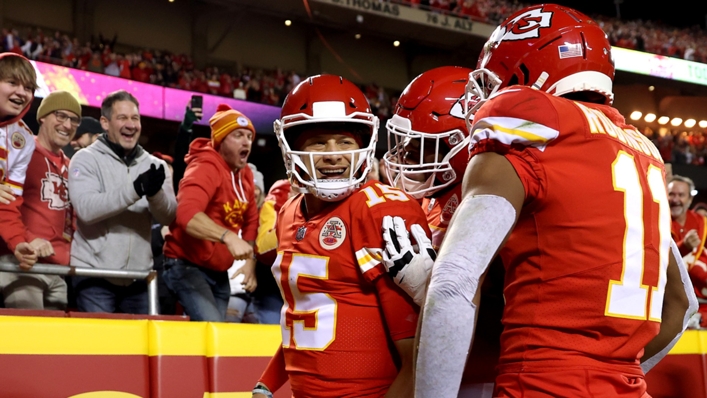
x: 72, y: 336
x: 177, y: 338
x: 691, y: 342
x: 243, y: 340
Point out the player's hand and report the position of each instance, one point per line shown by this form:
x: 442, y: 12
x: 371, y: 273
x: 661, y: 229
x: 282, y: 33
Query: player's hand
x: 26, y: 255
x: 409, y: 269
x: 692, y: 239
x: 43, y: 247
x: 240, y: 249
x: 6, y: 195
x: 250, y: 282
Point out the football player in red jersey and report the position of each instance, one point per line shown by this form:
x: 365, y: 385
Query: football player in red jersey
x: 347, y: 329
x: 574, y: 199
x: 428, y: 144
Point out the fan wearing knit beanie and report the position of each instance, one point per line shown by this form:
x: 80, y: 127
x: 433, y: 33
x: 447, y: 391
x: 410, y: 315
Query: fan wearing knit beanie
x: 46, y: 214
x: 59, y: 115
x: 216, y: 203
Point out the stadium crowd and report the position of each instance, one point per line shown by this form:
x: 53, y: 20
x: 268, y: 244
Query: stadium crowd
x: 164, y: 68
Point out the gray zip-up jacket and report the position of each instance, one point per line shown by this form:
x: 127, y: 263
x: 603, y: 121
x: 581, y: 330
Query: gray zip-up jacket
x: 113, y: 226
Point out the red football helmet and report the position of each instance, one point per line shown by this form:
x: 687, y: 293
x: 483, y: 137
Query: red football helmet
x: 326, y: 99
x: 549, y: 47
x: 427, y: 135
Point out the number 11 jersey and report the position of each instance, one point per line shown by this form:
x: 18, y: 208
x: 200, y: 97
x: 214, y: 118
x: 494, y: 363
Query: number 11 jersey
x: 586, y: 262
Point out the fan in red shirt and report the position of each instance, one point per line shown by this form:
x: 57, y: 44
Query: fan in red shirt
x: 47, y: 221
x: 217, y: 219
x: 574, y: 201
x: 689, y: 230
x: 347, y: 329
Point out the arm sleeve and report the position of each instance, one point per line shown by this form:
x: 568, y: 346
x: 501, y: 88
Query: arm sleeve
x: 163, y: 205
x: 275, y: 374
x: 91, y: 204
x: 13, y: 230
x: 198, y: 186
x: 399, y: 311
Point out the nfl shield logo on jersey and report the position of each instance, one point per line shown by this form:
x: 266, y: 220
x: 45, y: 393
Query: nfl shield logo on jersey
x: 333, y: 233
x: 300, y: 233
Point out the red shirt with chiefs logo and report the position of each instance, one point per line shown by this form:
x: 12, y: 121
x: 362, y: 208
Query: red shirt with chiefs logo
x: 341, y: 311
x: 585, y: 263
x: 227, y: 198
x: 46, y: 210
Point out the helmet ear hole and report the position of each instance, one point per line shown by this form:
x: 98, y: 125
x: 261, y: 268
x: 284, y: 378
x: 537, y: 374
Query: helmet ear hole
x: 526, y: 74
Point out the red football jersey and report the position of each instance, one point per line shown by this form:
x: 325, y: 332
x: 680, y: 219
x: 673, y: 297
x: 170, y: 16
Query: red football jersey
x: 439, y: 211
x: 337, y: 339
x: 586, y: 262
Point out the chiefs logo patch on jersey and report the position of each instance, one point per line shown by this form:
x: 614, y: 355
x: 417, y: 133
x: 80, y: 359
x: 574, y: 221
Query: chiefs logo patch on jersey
x: 333, y: 234
x: 449, y: 208
x: 18, y: 140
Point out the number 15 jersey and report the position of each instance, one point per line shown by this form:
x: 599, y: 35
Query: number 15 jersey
x: 586, y: 262
x: 337, y: 336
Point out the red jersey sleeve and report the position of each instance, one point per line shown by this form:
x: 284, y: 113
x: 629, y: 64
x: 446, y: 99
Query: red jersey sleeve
x: 375, y: 201
x: 528, y: 125
x: 14, y: 230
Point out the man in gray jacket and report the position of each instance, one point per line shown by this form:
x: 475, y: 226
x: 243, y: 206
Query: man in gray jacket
x: 116, y: 188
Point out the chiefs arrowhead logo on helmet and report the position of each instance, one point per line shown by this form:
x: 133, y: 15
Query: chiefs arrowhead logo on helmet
x: 527, y: 25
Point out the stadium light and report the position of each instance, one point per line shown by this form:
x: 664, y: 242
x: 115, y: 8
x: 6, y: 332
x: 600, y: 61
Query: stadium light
x: 650, y: 117
x: 396, y: 43
x: 357, y: 36
x: 663, y: 120
x: 703, y: 124
x: 635, y: 115
x: 690, y: 123
x: 651, y: 88
x: 288, y: 22
x: 676, y: 121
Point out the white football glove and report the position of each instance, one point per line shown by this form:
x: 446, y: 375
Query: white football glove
x: 410, y: 269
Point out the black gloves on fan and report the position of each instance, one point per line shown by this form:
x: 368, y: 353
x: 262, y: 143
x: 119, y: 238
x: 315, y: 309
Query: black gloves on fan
x: 150, y: 182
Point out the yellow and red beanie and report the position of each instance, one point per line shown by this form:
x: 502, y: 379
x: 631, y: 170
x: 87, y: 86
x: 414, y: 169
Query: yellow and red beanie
x: 225, y: 120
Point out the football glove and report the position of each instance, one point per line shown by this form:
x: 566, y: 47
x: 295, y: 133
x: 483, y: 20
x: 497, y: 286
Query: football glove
x: 409, y: 265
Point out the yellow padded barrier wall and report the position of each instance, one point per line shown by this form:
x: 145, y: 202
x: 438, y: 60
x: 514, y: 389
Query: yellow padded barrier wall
x: 178, y: 366
x: 237, y: 355
x: 70, y: 357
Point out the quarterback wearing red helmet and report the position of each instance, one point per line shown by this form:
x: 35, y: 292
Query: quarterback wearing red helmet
x: 347, y: 329
x: 574, y: 201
